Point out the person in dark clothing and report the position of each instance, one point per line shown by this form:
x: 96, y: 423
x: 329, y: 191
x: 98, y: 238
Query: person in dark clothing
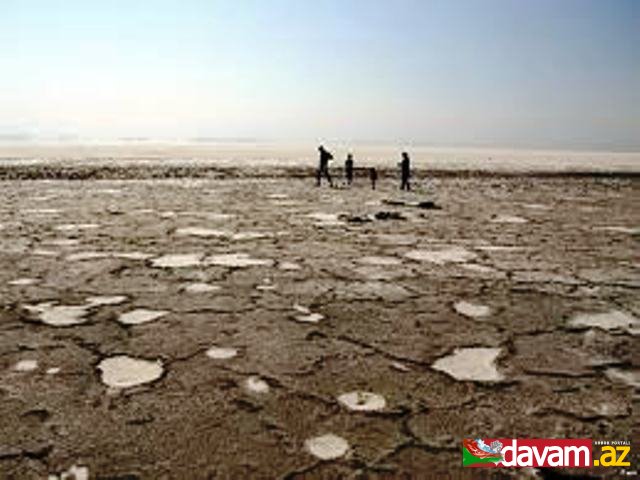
x: 348, y: 169
x: 373, y: 176
x: 405, y: 172
x: 323, y: 168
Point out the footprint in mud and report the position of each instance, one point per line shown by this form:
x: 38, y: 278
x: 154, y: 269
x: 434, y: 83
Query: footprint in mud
x: 471, y: 364
x: 123, y: 371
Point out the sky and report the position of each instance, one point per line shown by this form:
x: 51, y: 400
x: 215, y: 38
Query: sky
x: 499, y: 73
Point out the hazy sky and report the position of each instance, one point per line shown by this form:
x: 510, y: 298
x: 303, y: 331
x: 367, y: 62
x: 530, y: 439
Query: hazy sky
x: 541, y: 73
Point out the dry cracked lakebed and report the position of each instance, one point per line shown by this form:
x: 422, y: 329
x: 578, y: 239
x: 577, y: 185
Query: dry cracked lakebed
x: 237, y: 328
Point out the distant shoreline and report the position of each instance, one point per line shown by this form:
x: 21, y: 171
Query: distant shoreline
x: 59, y: 171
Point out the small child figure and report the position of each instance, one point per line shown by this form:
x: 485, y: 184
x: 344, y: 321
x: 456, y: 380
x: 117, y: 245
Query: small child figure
x: 373, y: 176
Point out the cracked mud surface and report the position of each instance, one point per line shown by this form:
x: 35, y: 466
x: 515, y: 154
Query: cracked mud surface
x: 243, y: 388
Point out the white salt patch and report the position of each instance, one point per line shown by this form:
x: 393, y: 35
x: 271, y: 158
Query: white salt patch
x: 363, y: 401
x: 476, y: 364
x: 612, y: 320
x: 177, y: 261
x: 221, y: 353
x: 236, y: 260
x: 508, y: 219
x: 201, y: 232
x: 401, y: 367
x: 44, y: 253
x: 629, y: 377
x: 289, y: 266
x: 63, y: 242
x: 325, y: 219
x: 472, y: 310
x: 619, y: 229
x: 380, y: 261
x: 199, y: 287
x: 499, y: 248
x: 301, y: 308
x: 536, y: 206
x: 440, y: 257
x: 132, y: 255
x: 71, y: 227
x: 140, y: 316
x: 327, y: 447
x: 22, y: 282
x: 124, y: 372
x: 74, y: 473
x: 53, y: 371
x: 82, y: 256
x: 25, y: 366
x: 310, y: 318
x: 100, y: 300
x: 217, y: 216
x: 256, y: 385
x: 59, y: 315
x: 42, y: 211
x: 476, y: 267
x: 250, y: 236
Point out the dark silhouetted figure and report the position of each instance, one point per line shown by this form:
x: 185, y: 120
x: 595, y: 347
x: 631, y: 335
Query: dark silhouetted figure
x: 373, y: 176
x: 348, y: 169
x: 405, y: 172
x: 323, y: 168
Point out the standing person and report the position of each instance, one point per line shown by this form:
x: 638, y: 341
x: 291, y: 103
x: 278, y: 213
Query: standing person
x: 373, y: 176
x: 323, y: 168
x: 405, y: 172
x: 348, y: 169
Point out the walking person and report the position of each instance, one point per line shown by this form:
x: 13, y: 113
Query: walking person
x: 348, y: 169
x: 373, y: 176
x: 405, y: 172
x: 323, y: 168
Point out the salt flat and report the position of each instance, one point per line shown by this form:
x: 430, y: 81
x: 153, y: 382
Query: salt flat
x: 315, y: 339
